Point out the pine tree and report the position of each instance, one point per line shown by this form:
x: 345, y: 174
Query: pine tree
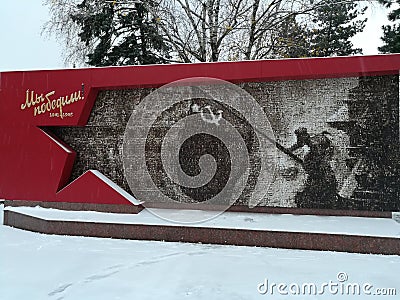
x: 120, y: 33
x: 334, y: 25
x: 391, y: 33
x: 328, y: 33
x: 292, y: 39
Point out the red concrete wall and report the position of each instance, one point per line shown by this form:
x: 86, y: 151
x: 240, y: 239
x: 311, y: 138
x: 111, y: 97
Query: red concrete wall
x: 34, y: 166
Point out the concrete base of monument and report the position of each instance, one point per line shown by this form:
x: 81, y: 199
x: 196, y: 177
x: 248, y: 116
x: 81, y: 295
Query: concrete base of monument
x: 329, y: 233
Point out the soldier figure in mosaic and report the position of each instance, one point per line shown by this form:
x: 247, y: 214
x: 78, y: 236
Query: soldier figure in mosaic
x: 320, y: 190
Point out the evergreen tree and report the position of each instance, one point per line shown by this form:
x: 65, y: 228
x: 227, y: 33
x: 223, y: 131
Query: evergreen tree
x: 119, y: 33
x: 328, y: 33
x: 391, y: 34
x: 292, y: 39
x: 334, y: 24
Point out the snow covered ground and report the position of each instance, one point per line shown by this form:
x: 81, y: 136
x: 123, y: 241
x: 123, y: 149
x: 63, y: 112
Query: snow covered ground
x: 37, y: 266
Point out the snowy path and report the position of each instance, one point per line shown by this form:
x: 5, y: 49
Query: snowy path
x: 36, y: 266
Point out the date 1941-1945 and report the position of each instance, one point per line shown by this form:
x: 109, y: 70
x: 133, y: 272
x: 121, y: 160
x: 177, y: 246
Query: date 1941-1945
x: 61, y: 115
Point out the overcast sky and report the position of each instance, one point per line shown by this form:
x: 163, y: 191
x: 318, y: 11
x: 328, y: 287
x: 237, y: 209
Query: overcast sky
x: 22, y: 47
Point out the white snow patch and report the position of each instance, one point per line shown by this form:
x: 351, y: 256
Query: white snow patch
x: 396, y: 216
x: 381, y: 227
x: 117, y: 188
x: 57, y: 142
